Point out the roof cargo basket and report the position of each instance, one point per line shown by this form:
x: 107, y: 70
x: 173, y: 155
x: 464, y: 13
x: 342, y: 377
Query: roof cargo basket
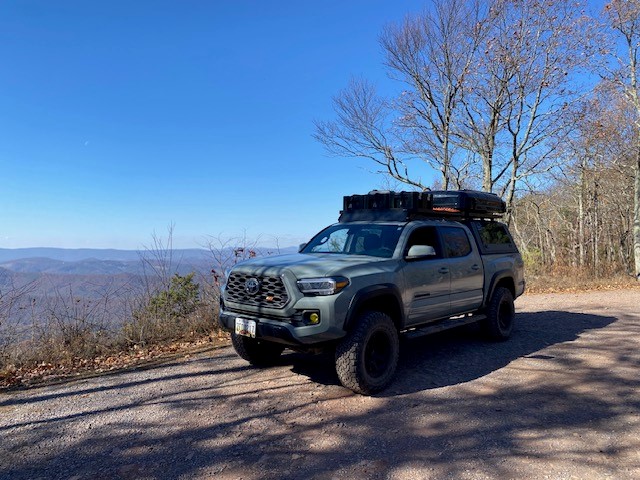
x: 379, y: 200
x: 403, y: 206
x: 469, y: 203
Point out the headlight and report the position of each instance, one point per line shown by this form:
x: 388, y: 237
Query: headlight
x: 322, y: 286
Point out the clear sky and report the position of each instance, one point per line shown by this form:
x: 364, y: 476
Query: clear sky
x: 118, y: 118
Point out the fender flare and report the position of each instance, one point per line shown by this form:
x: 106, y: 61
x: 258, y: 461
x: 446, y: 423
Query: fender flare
x: 495, y: 279
x: 370, y: 293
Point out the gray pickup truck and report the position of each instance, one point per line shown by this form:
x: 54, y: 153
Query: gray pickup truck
x: 396, y: 263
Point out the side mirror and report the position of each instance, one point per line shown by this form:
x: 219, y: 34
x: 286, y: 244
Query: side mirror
x: 420, y: 251
x: 301, y: 246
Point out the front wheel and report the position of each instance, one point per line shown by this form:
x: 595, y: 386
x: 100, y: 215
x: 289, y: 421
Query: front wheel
x: 367, y: 357
x: 501, y: 314
x: 256, y: 352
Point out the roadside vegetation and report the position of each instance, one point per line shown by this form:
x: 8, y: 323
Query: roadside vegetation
x: 168, y: 314
x: 79, y: 335
x: 569, y: 280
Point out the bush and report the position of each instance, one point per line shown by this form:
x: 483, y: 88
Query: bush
x: 172, y: 314
x: 177, y: 301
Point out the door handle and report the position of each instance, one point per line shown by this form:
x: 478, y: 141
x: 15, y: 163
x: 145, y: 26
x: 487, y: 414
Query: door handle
x: 443, y: 270
x: 475, y: 267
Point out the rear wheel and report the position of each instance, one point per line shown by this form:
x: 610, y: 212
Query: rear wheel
x: 256, y: 352
x: 367, y: 357
x: 501, y: 314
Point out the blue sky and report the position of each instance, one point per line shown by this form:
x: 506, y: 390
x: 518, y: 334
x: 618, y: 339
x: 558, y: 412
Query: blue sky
x: 120, y: 118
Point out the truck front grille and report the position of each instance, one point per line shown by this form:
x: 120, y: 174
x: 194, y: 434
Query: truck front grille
x: 272, y: 292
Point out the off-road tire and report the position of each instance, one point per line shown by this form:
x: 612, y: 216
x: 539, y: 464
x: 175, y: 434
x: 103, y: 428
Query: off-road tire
x: 501, y: 314
x: 256, y: 352
x: 366, y: 359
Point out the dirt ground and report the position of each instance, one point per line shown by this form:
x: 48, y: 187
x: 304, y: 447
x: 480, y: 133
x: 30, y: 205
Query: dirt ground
x: 559, y: 400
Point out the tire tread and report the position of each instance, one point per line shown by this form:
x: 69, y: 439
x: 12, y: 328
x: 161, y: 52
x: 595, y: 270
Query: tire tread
x: 350, y: 351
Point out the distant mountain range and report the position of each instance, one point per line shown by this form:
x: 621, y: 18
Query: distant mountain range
x: 94, y: 262
x: 78, y: 254
x: 85, y: 261
x: 37, y: 284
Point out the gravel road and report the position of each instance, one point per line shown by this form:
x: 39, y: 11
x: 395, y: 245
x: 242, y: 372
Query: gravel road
x: 559, y: 400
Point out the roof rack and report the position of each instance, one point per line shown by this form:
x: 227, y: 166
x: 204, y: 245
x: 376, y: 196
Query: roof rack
x: 404, y: 206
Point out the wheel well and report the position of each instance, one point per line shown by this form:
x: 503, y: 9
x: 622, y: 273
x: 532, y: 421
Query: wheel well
x: 387, y: 304
x: 508, y: 284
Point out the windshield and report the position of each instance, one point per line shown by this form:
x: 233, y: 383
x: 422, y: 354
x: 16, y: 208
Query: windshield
x: 356, y: 239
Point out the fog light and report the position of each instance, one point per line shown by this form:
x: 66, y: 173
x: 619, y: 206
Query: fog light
x: 314, y: 319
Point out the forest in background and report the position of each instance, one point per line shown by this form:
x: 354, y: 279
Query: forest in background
x: 583, y: 220
x: 537, y: 101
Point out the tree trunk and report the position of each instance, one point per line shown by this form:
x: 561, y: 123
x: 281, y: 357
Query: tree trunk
x: 445, y: 160
x: 581, y: 220
x: 487, y: 168
x: 636, y: 215
x: 596, y: 232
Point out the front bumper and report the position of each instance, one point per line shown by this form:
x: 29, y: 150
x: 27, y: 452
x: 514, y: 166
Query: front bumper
x: 287, y: 331
x: 286, y: 325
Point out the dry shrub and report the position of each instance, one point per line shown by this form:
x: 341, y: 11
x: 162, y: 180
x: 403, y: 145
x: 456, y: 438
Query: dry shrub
x: 176, y: 312
x: 571, y: 279
x: 147, y: 329
x: 71, y: 331
x: 61, y: 347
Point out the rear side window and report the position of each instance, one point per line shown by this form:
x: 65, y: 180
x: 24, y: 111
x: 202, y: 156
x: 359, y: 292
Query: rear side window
x: 456, y: 242
x: 493, y: 237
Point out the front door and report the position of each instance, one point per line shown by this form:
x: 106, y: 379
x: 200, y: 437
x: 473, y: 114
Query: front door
x: 427, y: 281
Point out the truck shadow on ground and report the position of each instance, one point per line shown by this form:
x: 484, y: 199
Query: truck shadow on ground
x: 460, y: 355
x: 285, y: 428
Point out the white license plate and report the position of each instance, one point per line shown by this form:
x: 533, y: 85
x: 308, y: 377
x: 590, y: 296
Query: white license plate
x: 246, y: 327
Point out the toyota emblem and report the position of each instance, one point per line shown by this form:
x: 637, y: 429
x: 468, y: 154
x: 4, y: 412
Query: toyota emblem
x: 252, y: 286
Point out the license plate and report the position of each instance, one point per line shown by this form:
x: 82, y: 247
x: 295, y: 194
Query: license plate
x: 246, y: 327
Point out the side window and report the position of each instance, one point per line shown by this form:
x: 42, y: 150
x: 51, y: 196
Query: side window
x: 493, y: 237
x: 425, y: 236
x: 494, y: 234
x: 456, y: 242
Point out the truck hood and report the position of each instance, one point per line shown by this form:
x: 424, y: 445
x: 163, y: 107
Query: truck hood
x: 303, y: 265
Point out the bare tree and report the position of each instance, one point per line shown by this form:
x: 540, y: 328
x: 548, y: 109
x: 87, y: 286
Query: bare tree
x: 514, y: 105
x: 484, y: 100
x: 11, y: 294
x: 13, y: 298
x: 587, y: 208
x: 624, y: 16
x: 603, y: 168
x: 483, y: 89
x: 430, y: 55
x: 227, y: 251
x: 158, y: 264
x: 363, y: 129
x: 550, y: 44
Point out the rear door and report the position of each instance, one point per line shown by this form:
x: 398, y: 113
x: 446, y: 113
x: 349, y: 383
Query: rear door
x: 465, y: 267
